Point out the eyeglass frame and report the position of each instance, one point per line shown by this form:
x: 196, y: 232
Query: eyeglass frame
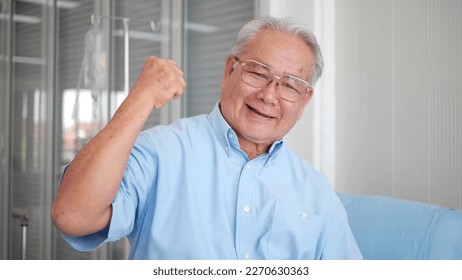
x: 275, y: 78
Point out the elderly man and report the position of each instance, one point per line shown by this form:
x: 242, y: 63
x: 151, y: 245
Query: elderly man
x: 217, y: 186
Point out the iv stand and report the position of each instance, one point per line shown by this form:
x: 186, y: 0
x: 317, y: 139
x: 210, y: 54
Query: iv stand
x: 154, y: 27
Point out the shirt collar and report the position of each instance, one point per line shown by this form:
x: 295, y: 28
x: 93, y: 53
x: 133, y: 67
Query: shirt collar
x: 228, y: 138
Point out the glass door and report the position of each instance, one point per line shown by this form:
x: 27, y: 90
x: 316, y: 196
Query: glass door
x: 30, y: 133
x: 5, y: 54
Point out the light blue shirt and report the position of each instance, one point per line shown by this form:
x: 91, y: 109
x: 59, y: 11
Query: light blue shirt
x: 190, y: 192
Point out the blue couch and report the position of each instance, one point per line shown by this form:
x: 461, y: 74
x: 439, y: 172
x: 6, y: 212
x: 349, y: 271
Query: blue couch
x: 395, y: 229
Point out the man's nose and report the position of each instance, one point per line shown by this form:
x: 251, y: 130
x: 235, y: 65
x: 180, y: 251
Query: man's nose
x: 269, y: 93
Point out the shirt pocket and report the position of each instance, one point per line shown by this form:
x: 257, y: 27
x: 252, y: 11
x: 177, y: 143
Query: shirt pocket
x: 294, y: 233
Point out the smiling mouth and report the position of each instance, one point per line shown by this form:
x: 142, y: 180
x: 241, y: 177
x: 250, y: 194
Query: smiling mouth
x: 259, y: 113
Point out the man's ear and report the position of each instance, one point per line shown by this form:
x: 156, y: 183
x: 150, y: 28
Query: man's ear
x: 229, y: 68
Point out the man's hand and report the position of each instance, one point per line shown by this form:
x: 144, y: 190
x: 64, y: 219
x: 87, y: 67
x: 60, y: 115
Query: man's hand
x: 161, y: 80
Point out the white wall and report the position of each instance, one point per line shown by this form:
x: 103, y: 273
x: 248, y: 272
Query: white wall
x: 394, y: 91
x: 399, y: 99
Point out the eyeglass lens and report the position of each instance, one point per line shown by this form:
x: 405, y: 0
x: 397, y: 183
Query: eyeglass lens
x: 259, y: 76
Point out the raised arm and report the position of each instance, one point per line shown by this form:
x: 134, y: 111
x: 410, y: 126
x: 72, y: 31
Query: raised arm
x: 90, y: 183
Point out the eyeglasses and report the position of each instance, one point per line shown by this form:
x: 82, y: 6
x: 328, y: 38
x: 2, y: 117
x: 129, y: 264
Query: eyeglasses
x: 259, y: 75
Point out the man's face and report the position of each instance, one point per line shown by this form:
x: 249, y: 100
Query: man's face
x: 261, y: 116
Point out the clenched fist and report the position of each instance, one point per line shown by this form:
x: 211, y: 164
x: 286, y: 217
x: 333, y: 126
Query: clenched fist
x: 160, y: 81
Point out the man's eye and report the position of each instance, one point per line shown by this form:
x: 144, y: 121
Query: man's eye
x: 288, y: 86
x: 259, y: 75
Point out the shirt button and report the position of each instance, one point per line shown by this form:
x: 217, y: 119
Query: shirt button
x: 246, y: 256
x: 304, y: 215
x: 249, y: 166
x: 246, y: 209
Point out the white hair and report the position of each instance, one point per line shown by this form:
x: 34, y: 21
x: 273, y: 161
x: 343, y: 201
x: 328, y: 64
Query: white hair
x: 287, y: 26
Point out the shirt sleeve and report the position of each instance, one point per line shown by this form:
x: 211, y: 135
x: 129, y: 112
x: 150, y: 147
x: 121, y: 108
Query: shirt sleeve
x: 88, y: 242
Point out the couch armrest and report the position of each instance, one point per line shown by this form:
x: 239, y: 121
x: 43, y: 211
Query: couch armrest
x: 390, y: 228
